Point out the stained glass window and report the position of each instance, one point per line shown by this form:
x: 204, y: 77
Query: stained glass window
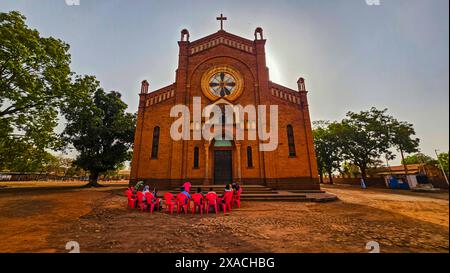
x: 222, y: 84
x: 291, y: 141
x: 249, y: 157
x: 155, y: 142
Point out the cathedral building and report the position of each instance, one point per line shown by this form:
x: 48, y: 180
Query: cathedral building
x: 224, y: 69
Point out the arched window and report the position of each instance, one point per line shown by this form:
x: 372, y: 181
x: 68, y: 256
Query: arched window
x: 291, y: 142
x: 155, y: 142
x: 249, y: 157
x: 196, y: 154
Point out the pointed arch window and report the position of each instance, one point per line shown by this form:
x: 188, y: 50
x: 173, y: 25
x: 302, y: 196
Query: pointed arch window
x: 249, y: 157
x: 155, y: 143
x: 196, y: 158
x: 291, y: 141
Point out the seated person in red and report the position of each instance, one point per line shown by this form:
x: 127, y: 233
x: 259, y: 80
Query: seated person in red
x: 212, y: 191
x: 183, y: 191
x: 155, y: 195
x: 199, y: 191
x: 187, y: 186
x: 227, y: 189
x: 236, y: 186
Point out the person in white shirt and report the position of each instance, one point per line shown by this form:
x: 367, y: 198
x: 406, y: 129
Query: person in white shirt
x: 144, y: 191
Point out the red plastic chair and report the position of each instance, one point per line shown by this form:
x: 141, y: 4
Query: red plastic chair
x: 226, y: 201
x: 198, y: 202
x: 182, y: 202
x: 141, y: 204
x: 237, y: 198
x: 151, y: 201
x: 131, y: 201
x: 211, y: 200
x: 170, y: 203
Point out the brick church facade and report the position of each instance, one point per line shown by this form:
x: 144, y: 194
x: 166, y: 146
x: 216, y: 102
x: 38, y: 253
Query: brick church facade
x: 224, y: 68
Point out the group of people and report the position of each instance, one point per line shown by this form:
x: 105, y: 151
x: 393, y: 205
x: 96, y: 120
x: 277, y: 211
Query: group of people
x: 233, y: 189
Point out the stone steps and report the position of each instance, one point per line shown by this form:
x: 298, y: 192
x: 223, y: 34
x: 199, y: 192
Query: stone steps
x: 261, y: 193
x: 307, y: 191
x: 290, y: 198
x: 246, y: 192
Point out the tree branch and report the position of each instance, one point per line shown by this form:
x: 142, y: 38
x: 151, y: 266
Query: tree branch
x: 12, y: 110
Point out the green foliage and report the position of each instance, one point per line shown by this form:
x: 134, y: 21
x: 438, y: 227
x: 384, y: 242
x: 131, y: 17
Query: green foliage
x: 364, y: 137
x: 349, y: 169
x: 75, y: 171
x: 419, y: 158
x: 25, y: 158
x: 98, y: 128
x: 401, y: 136
x: 58, y: 165
x: 34, y: 80
x: 443, y: 160
x: 327, y: 146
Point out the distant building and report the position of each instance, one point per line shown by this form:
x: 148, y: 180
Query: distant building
x: 434, y: 174
x: 123, y: 175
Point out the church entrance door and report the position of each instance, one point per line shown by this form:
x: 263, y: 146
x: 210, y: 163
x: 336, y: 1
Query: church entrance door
x: 223, y: 167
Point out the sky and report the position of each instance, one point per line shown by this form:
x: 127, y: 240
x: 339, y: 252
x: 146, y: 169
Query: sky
x: 353, y: 55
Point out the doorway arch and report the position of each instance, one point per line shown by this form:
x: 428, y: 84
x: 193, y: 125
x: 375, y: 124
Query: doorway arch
x: 223, y: 151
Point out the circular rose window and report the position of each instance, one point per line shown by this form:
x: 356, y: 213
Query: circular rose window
x: 222, y: 82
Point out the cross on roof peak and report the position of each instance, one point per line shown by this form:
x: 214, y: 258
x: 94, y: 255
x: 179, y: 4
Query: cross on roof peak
x: 221, y: 19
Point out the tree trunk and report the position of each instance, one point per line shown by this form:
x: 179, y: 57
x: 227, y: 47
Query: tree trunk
x: 330, y: 174
x: 321, y: 177
x: 93, y: 180
x: 363, y: 173
x: 403, y: 161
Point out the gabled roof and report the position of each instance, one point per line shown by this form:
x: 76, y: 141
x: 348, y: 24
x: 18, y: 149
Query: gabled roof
x: 221, y: 33
x: 221, y: 38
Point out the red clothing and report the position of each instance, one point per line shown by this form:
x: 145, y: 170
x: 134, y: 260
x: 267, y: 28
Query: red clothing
x: 187, y: 186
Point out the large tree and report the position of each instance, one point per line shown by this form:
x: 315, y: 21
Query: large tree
x: 34, y: 80
x: 328, y: 148
x: 364, y: 138
x: 98, y: 128
x: 402, y: 138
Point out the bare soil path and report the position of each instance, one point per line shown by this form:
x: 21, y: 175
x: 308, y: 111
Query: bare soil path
x: 42, y: 218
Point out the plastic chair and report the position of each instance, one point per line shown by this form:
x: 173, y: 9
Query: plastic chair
x: 182, y: 202
x: 211, y: 200
x: 151, y: 201
x: 169, y: 202
x: 226, y: 201
x: 141, y: 203
x: 198, y: 202
x: 237, y: 198
x: 131, y: 201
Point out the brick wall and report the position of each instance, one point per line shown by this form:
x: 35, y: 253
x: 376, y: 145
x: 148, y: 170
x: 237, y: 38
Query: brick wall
x: 370, y: 182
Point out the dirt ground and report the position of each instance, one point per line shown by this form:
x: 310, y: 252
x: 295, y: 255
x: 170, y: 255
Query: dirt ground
x: 43, y: 217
